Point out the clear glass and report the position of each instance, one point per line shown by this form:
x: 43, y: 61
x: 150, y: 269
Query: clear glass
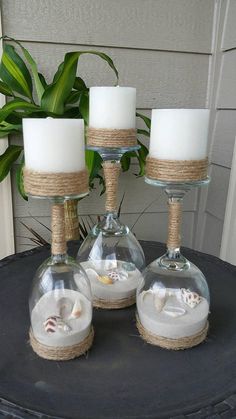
x: 60, y: 303
x: 111, y: 255
x: 173, y: 297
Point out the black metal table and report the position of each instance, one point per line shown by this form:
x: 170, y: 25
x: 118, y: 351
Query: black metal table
x: 122, y: 376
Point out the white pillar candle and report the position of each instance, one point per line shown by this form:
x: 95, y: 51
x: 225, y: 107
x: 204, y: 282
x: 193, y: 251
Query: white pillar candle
x: 54, y: 145
x: 112, y: 107
x: 179, y: 134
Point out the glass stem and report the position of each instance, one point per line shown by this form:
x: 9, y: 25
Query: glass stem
x: 175, y: 204
x: 111, y: 170
x: 58, y: 248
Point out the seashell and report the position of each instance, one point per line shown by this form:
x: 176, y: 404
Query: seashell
x: 118, y: 275
x: 113, y: 275
x: 128, y: 266
x: 192, y: 299
x: 174, y: 311
x: 105, y: 279
x: 65, y: 306
x: 76, y: 310
x: 159, y: 302
x: 55, y: 322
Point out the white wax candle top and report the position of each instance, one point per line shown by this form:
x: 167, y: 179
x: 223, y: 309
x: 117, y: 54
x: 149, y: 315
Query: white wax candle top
x: 112, y: 107
x: 54, y: 145
x: 179, y: 134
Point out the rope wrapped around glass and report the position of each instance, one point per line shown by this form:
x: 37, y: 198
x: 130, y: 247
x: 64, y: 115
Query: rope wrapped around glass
x: 111, y: 255
x: 173, y: 298
x: 60, y: 302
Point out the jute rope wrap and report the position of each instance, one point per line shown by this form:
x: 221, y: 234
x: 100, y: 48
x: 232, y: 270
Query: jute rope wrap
x: 56, y: 353
x: 174, y: 224
x: 176, y: 170
x: 58, y: 229
x: 71, y: 220
x: 115, y: 304
x: 111, y: 173
x: 174, y: 344
x: 113, y: 138
x: 55, y: 184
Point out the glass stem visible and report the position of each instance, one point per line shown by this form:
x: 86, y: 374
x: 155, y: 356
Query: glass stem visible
x: 58, y: 247
x: 111, y: 170
x: 173, y: 258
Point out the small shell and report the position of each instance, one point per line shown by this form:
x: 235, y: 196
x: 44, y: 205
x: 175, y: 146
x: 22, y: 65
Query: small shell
x: 113, y: 275
x: 192, y: 299
x: 159, y: 302
x: 55, y: 322
x: 118, y: 275
x: 76, y: 311
x: 92, y: 274
x: 173, y: 311
x: 65, y: 306
x: 105, y: 279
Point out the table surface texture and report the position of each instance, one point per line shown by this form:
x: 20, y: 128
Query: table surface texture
x: 122, y: 377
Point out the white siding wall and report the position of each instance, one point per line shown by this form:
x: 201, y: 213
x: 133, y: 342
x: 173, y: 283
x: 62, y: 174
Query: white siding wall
x: 223, y: 127
x: 162, y: 47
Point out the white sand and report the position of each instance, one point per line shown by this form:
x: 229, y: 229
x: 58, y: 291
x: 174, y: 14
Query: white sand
x: 161, y: 324
x: 119, y: 289
x: 47, y: 306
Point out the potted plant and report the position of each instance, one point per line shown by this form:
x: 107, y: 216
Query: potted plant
x: 66, y: 96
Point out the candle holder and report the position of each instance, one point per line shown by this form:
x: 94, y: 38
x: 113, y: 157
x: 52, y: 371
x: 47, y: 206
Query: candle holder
x: 60, y: 301
x: 173, y: 298
x: 111, y: 255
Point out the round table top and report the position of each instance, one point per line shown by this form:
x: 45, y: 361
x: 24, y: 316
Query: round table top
x: 121, y: 376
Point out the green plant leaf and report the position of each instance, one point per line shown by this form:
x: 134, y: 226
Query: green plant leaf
x: 37, y: 79
x: 80, y: 85
x: 43, y: 80
x: 125, y: 162
x: 143, y: 132
x: 7, y: 128
x: 8, y: 158
x: 145, y: 119
x: 5, y: 89
x: 17, y: 104
x: 84, y: 107
x: 14, y: 72
x: 20, y: 179
x: 55, y: 95
x: 142, y: 155
x: 73, y: 97
x: 93, y: 162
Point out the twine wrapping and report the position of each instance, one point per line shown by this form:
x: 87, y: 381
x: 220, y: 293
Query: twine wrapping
x: 114, y: 304
x: 176, y: 170
x: 55, y: 184
x: 113, y: 138
x: 174, y: 224
x: 174, y: 344
x: 58, y: 353
x: 71, y: 220
x: 111, y: 173
x: 58, y: 229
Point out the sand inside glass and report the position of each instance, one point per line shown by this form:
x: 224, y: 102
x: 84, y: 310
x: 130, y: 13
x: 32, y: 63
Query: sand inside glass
x: 119, y: 289
x: 162, y: 324
x: 48, y: 306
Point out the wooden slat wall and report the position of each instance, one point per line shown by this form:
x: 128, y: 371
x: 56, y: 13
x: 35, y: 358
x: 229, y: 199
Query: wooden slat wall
x: 162, y: 47
x: 223, y: 127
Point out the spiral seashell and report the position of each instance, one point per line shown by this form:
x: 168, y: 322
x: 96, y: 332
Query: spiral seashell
x: 65, y: 306
x: 192, y: 299
x: 54, y: 323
